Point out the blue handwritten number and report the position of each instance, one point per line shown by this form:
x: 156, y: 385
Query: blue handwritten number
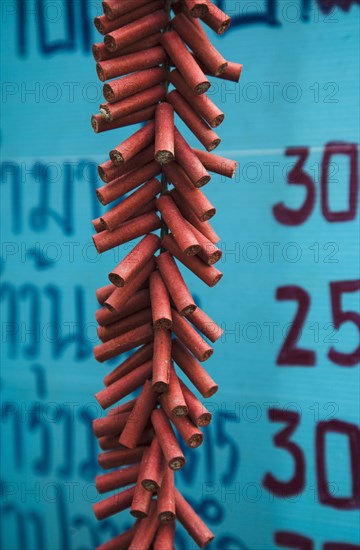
x: 224, y: 440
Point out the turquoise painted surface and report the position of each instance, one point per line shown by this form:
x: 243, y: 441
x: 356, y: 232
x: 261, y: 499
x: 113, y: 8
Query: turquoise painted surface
x: 299, y: 88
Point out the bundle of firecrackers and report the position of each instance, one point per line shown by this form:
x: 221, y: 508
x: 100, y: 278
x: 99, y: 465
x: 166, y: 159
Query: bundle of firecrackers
x: 155, y: 61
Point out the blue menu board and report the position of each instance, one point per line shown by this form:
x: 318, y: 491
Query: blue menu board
x: 278, y: 467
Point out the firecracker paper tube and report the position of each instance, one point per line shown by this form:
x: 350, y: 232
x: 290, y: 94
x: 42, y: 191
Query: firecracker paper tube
x: 140, y: 505
x: 197, y: 412
x: 192, y: 436
x: 134, y: 144
x: 191, y: 338
x: 111, y: 442
x: 201, y: 46
x: 120, y: 457
x: 101, y: 53
x: 161, y: 360
x: 133, y: 103
x: 121, y: 212
x: 130, y: 63
x: 208, y: 252
x: 209, y: 139
x: 146, y: 532
x: 103, y: 293
x: 204, y: 227
x: 118, y: 187
x: 164, y: 539
x: 147, y: 436
x: 124, y: 325
x: 167, y: 439
x: 139, y: 416
x: 205, y: 324
x: 216, y: 163
x: 189, y: 161
x: 100, y: 124
x: 127, y: 182
x: 127, y: 231
x: 127, y: 35
x: 124, y: 322
x: 166, y: 497
x: 141, y: 502
x: 114, y: 8
x: 175, y: 284
x: 125, y: 342
x: 124, y: 407
x: 109, y: 171
x: 195, y: 198
x: 152, y: 474
x: 121, y: 542
x: 117, y: 299
x: 125, y: 385
x: 160, y: 302
x: 104, y: 25
x: 207, y: 273
x: 196, y: 8
x: 98, y: 225
x: 174, y: 398
x: 114, y: 504
x: 135, y: 260
x: 185, y: 62
x: 180, y: 7
x: 139, y: 301
x: 138, y: 358
x: 201, y: 103
x: 136, y: 310
x: 118, y: 479
x: 119, y: 89
x: 143, y: 44
x: 190, y: 520
x: 110, y: 424
x: 232, y: 72
x: 148, y: 207
x: 178, y: 226
x: 164, y: 133
x: 193, y: 370
x: 216, y: 19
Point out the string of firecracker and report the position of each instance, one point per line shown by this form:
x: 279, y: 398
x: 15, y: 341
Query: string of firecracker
x: 147, y: 307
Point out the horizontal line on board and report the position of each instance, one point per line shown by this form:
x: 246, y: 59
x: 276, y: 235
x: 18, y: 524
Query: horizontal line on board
x: 233, y: 152
x: 258, y: 152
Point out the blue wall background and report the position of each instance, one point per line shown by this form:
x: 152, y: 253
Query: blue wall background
x: 299, y: 88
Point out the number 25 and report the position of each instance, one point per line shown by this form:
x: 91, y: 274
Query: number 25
x: 290, y: 353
